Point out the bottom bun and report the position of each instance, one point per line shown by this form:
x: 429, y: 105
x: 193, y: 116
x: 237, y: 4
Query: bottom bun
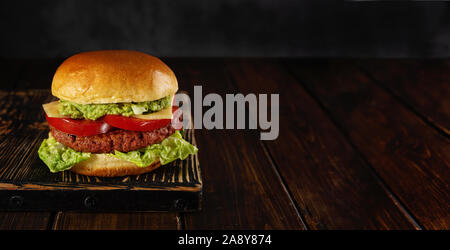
x: 105, y: 165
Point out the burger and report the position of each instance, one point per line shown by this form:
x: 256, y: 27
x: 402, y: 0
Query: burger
x: 114, y: 116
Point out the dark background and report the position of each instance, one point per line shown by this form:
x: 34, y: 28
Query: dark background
x: 32, y: 29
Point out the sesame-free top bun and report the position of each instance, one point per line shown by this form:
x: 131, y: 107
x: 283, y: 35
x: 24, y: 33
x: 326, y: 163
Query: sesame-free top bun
x: 105, y: 165
x: 113, y: 76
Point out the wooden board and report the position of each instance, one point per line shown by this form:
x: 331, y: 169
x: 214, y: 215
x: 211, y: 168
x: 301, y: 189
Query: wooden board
x: 14, y: 220
x: 411, y: 157
x: 332, y: 186
x: 422, y: 85
x: 27, y: 184
x: 72, y: 220
x: 242, y: 188
x: 355, y: 150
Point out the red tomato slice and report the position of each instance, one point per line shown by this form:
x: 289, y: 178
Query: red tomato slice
x: 79, y: 127
x: 136, y: 124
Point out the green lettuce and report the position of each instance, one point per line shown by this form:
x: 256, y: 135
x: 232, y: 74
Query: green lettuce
x: 170, y: 149
x: 59, y: 157
x: 95, y: 111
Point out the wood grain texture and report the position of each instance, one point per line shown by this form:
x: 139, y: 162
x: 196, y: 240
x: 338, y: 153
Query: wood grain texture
x: 115, y: 221
x: 11, y: 71
x: 424, y: 85
x: 380, y: 126
x: 331, y: 184
x: 241, y: 188
x: 24, y: 220
x: 411, y: 157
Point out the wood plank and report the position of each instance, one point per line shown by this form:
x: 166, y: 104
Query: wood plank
x: 115, y: 221
x: 11, y: 71
x: 421, y: 84
x: 22, y: 126
x: 241, y: 188
x: 331, y: 184
x: 24, y: 220
x: 411, y: 157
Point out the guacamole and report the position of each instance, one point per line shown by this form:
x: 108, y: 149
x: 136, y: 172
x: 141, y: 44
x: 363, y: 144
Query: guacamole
x: 95, y: 111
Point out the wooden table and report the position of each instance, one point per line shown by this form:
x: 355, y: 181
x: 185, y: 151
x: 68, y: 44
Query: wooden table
x: 363, y: 144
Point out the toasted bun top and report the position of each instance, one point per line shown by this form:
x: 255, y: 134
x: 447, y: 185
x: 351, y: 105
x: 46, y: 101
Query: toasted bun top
x: 113, y: 76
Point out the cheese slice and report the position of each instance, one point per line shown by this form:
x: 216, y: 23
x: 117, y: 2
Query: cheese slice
x: 51, y: 109
x: 162, y: 114
x: 165, y: 113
